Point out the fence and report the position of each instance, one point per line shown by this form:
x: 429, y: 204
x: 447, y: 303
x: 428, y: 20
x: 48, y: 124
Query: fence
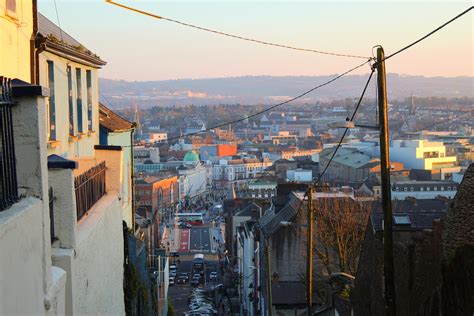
x: 90, y: 187
x: 51, y: 214
x: 8, y: 180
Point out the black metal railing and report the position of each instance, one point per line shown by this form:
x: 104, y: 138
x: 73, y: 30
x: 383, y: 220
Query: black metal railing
x: 8, y: 180
x: 51, y: 214
x: 90, y: 187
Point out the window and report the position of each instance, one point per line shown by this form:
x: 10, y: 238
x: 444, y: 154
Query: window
x: 428, y: 188
x: 449, y: 188
x: 412, y: 189
x: 89, y: 99
x: 401, y: 220
x: 147, y: 192
x: 79, y: 99
x: 435, y: 189
x: 11, y: 8
x: 71, y: 106
x: 405, y: 189
x: 51, y: 105
x: 442, y: 188
x: 421, y: 189
x: 140, y: 192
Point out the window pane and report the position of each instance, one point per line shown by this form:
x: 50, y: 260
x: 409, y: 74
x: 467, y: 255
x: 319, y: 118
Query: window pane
x: 79, y: 99
x: 52, y: 105
x: 89, y: 99
x: 11, y: 6
x: 71, y: 106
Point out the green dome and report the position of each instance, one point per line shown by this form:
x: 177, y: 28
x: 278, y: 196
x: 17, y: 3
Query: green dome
x: 191, y: 156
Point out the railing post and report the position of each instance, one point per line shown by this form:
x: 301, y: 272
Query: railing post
x: 8, y: 176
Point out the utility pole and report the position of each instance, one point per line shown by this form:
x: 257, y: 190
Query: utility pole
x: 386, y: 193
x: 309, y: 254
x: 269, y: 280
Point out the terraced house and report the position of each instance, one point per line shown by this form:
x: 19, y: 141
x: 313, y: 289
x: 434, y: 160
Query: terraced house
x: 62, y: 193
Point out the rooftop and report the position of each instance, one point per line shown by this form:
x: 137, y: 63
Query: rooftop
x: 54, y: 38
x: 112, y: 121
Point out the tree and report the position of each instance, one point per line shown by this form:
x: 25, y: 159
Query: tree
x: 339, y: 232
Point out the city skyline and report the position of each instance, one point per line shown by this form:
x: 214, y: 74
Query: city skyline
x: 207, y: 55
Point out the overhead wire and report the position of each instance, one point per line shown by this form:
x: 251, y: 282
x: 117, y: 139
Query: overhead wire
x: 271, y: 107
x: 233, y: 35
x: 429, y: 34
x: 317, y: 182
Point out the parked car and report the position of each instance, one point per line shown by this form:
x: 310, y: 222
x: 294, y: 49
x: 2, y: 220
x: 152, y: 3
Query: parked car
x: 181, y: 280
x: 173, y: 267
x: 184, y: 275
x: 171, y: 281
x: 213, y: 276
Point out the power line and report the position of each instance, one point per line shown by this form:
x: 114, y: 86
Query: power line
x: 429, y: 34
x: 232, y: 35
x: 273, y: 106
x: 345, y: 131
x: 59, y: 22
x: 108, y: 101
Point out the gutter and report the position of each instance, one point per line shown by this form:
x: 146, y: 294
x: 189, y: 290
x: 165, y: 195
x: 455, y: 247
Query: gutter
x: 40, y: 47
x: 33, y: 60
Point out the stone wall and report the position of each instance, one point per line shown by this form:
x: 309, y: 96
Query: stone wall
x: 434, y: 268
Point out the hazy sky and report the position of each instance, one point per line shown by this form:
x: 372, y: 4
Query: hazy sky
x: 138, y: 47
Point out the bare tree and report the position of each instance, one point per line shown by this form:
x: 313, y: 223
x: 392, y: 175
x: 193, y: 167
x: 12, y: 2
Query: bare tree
x: 339, y: 232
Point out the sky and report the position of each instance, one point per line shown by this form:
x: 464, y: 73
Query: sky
x: 141, y: 48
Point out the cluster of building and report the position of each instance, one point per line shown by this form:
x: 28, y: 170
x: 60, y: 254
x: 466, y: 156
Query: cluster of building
x: 85, y: 202
x: 68, y: 236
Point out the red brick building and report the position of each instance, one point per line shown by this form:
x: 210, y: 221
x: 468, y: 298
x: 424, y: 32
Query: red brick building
x: 157, y: 198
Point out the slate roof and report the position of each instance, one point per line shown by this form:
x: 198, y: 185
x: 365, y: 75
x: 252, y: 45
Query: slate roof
x: 54, y: 37
x: 112, y: 121
x: 252, y: 210
x: 270, y: 221
x: 347, y: 156
x: 418, y: 221
x: 46, y: 28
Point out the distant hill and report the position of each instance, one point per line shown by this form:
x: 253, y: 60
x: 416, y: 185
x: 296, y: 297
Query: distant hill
x: 270, y: 89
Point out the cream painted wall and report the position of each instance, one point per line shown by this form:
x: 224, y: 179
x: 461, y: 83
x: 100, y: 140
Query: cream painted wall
x: 98, y: 268
x: 21, y: 264
x: 15, y: 34
x: 83, y: 146
x: 124, y: 139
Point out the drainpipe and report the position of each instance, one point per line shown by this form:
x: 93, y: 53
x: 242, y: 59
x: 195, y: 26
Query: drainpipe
x: 134, y: 125
x: 33, y: 60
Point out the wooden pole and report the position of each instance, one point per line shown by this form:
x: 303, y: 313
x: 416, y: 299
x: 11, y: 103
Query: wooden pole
x: 269, y: 280
x: 309, y: 290
x: 390, y: 307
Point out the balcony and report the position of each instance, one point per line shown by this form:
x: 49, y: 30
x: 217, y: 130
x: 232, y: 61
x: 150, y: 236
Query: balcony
x: 89, y: 186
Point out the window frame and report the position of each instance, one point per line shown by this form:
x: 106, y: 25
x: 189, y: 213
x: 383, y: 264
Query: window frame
x: 79, y: 110
x: 51, y: 103
x: 11, y: 12
x: 90, y: 118
x: 70, y: 102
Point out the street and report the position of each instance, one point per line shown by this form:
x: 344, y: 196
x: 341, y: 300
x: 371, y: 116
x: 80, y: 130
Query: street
x: 200, y: 239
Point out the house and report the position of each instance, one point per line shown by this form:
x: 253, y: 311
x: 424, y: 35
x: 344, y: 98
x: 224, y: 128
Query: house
x: 157, y: 199
x: 425, y: 155
x: 117, y: 131
x: 31, y: 283
x: 88, y: 193
x: 423, y: 189
x: 348, y: 165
